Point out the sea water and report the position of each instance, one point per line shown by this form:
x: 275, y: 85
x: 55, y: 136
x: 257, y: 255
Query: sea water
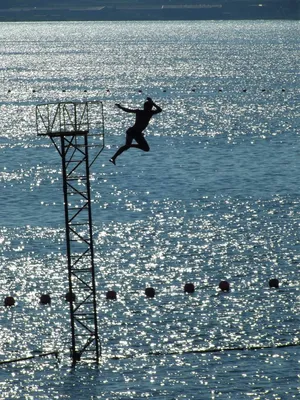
x: 216, y: 198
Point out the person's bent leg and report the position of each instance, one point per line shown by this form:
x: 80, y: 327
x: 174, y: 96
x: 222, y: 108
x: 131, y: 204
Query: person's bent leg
x: 126, y: 146
x: 142, y: 143
x: 120, y: 151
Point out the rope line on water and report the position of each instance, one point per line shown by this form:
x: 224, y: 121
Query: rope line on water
x: 162, y: 353
x: 52, y: 353
x: 206, y: 350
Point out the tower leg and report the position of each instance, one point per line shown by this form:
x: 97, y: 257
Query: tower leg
x: 79, y: 246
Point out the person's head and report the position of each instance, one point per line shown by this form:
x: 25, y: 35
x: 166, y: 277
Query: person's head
x: 147, y: 106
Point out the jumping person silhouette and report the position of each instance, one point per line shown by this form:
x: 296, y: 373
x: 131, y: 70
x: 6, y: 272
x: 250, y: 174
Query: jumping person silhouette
x: 142, y: 118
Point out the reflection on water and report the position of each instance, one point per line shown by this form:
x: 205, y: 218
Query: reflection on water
x: 216, y: 198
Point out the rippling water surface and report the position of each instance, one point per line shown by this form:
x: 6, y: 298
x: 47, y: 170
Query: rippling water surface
x: 216, y: 198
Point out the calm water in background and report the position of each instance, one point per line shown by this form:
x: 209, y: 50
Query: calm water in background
x: 217, y: 197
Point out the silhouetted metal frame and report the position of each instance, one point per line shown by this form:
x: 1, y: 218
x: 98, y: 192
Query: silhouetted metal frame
x: 66, y: 123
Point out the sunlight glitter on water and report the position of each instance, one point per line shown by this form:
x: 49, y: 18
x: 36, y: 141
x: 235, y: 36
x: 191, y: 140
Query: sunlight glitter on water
x: 216, y: 198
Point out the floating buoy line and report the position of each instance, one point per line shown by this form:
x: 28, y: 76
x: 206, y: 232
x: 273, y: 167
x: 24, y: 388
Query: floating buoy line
x: 109, y: 92
x: 189, y: 288
x: 150, y: 292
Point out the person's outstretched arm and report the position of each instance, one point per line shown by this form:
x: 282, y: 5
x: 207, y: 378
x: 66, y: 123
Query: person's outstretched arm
x: 129, y: 110
x: 157, y: 108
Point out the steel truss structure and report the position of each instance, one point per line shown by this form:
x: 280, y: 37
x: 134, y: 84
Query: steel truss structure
x: 77, y: 131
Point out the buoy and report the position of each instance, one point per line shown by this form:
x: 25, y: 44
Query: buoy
x: 150, y: 292
x: 70, y: 297
x: 9, y: 301
x: 77, y: 356
x: 45, y: 299
x: 224, y: 286
x: 111, y: 295
x: 189, y: 288
x: 274, y: 283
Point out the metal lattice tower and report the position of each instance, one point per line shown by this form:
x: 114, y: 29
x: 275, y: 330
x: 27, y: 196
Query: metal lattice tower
x: 77, y: 131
